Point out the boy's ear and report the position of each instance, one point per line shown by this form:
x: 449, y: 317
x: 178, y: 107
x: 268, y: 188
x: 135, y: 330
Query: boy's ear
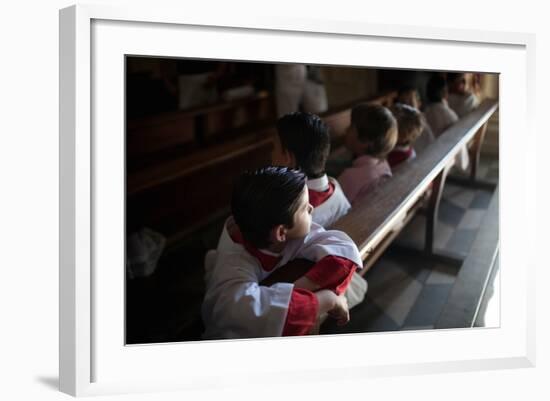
x: 349, y: 138
x: 290, y: 159
x: 278, y: 233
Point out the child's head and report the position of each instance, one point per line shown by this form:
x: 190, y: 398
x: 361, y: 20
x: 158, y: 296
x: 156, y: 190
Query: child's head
x: 303, y: 142
x: 409, y: 95
x: 271, y: 205
x: 436, y: 90
x: 456, y: 82
x: 409, y: 123
x: 373, y: 130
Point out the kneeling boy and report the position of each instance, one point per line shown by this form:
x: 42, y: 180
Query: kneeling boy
x: 303, y: 142
x: 271, y: 225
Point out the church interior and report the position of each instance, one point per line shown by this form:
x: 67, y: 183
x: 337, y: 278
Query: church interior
x: 429, y: 236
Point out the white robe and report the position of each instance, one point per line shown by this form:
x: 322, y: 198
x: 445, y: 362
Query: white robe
x: 292, y: 88
x: 236, y: 306
x: 326, y: 214
x: 425, y: 139
x: 463, y: 104
x: 440, y: 117
x: 334, y: 207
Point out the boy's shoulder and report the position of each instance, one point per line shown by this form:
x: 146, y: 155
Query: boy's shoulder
x: 320, y: 243
x: 231, y: 251
x: 335, y: 182
x: 440, y: 110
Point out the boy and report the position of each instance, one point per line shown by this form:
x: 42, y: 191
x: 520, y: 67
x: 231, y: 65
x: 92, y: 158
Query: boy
x: 409, y: 95
x: 409, y: 128
x: 460, y: 99
x: 303, y: 142
x: 438, y: 114
x: 271, y: 225
x: 371, y: 136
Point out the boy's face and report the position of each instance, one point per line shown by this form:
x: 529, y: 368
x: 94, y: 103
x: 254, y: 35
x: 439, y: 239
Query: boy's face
x: 459, y: 85
x: 353, y: 143
x: 280, y: 156
x: 302, y: 217
x: 411, y: 98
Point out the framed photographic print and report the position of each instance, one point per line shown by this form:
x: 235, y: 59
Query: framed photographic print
x: 162, y: 111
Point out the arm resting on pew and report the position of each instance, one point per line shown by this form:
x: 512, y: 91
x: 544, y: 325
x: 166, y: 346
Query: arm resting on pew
x: 332, y: 272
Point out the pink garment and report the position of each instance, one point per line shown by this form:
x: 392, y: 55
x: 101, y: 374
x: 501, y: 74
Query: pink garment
x: 359, y: 180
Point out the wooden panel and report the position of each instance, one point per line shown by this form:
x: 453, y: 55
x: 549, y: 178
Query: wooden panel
x: 152, y: 134
x: 260, y: 111
x: 154, y: 138
x: 184, y: 191
x: 188, y: 197
x: 173, y: 169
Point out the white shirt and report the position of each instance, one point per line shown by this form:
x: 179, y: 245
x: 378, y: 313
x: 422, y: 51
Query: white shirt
x: 440, y: 117
x: 425, y: 139
x: 236, y: 306
x: 463, y: 104
x: 336, y: 206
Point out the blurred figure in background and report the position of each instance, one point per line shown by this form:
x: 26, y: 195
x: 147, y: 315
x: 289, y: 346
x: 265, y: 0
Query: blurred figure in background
x: 299, y: 87
x: 461, y: 99
x: 409, y: 95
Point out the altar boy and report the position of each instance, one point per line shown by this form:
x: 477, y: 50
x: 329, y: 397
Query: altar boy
x: 270, y: 226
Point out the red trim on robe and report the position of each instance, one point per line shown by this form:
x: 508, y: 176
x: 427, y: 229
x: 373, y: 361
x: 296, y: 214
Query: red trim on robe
x: 396, y: 157
x: 318, y: 198
x: 302, y: 313
x: 268, y: 262
x: 332, y: 273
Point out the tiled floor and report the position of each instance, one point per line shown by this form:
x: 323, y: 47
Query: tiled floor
x: 409, y: 294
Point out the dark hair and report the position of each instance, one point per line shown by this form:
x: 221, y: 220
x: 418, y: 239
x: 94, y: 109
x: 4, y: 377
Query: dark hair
x: 455, y: 79
x: 453, y: 76
x: 373, y: 123
x: 409, y: 123
x: 307, y: 137
x: 406, y: 89
x: 265, y: 198
x: 436, y: 88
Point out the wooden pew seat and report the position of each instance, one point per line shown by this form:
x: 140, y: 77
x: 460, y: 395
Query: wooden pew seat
x: 375, y: 221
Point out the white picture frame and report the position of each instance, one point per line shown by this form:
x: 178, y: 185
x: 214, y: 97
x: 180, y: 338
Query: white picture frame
x: 93, y: 357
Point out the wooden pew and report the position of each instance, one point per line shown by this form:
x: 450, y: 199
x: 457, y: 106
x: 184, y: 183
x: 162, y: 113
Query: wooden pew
x: 378, y: 219
x: 375, y: 222
x: 474, y: 153
x: 181, y: 194
x: 192, y: 128
x: 372, y: 225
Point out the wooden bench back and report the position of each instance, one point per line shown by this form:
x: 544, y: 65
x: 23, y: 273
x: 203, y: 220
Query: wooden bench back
x: 153, y: 134
x: 180, y: 195
x: 384, y: 211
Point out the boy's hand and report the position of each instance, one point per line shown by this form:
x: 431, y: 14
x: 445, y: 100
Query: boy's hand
x: 305, y: 283
x: 340, y: 311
